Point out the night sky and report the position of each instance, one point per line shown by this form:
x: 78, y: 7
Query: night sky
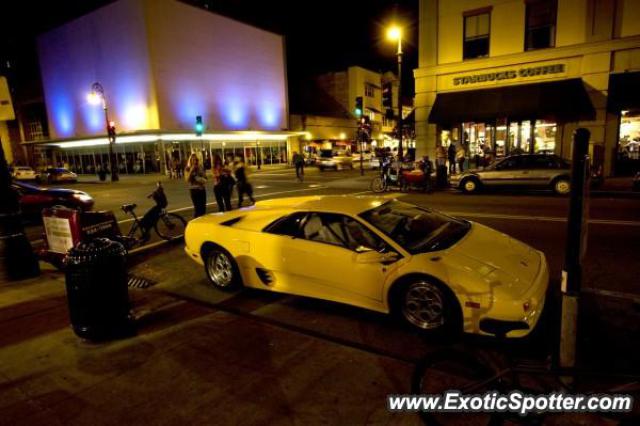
x: 320, y: 36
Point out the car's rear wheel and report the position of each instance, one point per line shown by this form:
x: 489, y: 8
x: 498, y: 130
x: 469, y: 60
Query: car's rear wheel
x: 426, y: 304
x: 470, y: 185
x: 221, y: 269
x: 562, y: 186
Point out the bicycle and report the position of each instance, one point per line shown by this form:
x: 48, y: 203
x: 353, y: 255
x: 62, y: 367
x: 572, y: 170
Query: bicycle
x: 477, y: 372
x: 168, y: 226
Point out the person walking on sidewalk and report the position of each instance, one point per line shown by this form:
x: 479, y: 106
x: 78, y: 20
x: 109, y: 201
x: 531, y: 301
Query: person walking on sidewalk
x: 197, y: 180
x: 298, y: 162
x: 242, y: 183
x: 460, y: 157
x: 451, y: 153
x: 221, y: 184
x: 441, y: 156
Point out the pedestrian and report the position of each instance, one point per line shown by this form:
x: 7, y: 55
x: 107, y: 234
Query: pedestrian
x: 242, y: 183
x: 451, y: 154
x: 196, y: 178
x: 460, y: 157
x: 427, y: 169
x: 221, y: 184
x: 441, y: 155
x: 298, y: 162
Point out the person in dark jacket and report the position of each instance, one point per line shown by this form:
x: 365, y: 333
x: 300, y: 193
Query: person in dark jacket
x: 221, y: 184
x: 242, y: 183
x: 298, y: 162
x: 451, y: 154
x: 196, y: 178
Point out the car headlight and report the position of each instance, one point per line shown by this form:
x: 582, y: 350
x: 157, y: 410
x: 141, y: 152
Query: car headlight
x: 84, y: 198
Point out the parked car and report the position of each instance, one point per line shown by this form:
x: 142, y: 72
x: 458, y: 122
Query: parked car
x: 23, y: 173
x: 337, y: 160
x: 34, y: 198
x: 540, y: 171
x: 376, y: 253
x: 58, y: 174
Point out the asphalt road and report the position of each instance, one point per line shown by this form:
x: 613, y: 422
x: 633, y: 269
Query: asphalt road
x: 537, y: 218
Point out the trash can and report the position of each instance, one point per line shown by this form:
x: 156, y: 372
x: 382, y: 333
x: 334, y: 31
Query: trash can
x: 441, y: 176
x: 97, y: 292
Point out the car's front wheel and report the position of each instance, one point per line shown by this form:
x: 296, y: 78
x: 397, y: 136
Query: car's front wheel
x: 470, y: 185
x: 428, y: 305
x: 221, y: 269
x: 562, y: 186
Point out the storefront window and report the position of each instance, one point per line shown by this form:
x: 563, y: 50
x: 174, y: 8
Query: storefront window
x: 545, y: 137
x: 629, y: 138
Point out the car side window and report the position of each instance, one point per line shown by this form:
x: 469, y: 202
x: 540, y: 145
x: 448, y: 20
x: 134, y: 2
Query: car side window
x: 288, y: 225
x: 343, y: 231
x: 324, y: 228
x: 510, y: 163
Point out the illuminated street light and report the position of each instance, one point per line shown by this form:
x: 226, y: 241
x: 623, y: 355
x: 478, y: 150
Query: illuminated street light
x: 395, y: 33
x: 96, y: 97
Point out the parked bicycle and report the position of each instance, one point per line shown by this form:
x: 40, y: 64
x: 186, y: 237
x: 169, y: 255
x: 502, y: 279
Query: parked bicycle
x: 168, y: 226
x: 477, y: 372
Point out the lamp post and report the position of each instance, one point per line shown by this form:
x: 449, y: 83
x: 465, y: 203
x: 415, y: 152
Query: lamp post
x: 96, y: 96
x: 395, y: 33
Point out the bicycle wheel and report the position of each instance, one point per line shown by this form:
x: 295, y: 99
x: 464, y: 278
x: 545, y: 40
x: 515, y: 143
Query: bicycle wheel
x: 378, y: 185
x: 170, y: 226
x: 455, y: 370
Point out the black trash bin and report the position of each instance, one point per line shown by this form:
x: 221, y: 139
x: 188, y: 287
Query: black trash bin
x: 97, y: 292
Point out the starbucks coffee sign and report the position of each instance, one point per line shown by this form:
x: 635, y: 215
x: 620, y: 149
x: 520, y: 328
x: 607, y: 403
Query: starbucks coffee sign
x: 522, y: 73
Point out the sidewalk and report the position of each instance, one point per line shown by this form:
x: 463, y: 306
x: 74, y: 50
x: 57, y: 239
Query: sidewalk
x: 189, y: 364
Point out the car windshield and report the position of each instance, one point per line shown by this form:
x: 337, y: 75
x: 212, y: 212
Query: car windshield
x: 416, y: 229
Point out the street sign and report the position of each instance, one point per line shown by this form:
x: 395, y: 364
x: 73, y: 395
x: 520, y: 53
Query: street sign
x: 6, y: 107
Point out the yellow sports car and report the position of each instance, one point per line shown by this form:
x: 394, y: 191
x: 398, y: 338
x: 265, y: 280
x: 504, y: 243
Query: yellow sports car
x: 434, y: 271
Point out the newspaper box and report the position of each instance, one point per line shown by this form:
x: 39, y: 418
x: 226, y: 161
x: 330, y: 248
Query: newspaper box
x: 65, y: 228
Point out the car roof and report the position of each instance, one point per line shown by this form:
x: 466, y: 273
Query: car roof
x: 347, y: 204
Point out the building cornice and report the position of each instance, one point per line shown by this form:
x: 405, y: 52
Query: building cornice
x: 531, y: 56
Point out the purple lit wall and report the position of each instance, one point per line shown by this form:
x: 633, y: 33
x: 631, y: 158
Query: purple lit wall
x: 162, y: 63
x: 108, y: 46
x: 230, y: 73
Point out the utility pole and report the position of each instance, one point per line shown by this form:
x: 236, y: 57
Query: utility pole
x: 576, y: 246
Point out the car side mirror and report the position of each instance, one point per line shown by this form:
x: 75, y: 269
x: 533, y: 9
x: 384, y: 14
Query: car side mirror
x: 372, y: 256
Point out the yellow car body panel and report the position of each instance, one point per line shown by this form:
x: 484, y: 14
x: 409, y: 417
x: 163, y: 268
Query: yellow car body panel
x: 491, y: 274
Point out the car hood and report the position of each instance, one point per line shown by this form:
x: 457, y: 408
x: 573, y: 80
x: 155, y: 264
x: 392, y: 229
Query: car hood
x: 501, y: 253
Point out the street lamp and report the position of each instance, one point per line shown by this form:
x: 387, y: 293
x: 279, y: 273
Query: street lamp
x: 395, y: 33
x: 96, y: 97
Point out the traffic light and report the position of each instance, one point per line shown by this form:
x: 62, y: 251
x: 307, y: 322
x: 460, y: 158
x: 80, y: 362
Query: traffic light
x: 199, y: 126
x: 111, y: 130
x: 359, y: 106
x: 387, y: 95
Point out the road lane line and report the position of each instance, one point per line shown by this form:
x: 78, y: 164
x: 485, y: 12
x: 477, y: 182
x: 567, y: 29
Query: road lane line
x: 635, y: 298
x: 541, y: 218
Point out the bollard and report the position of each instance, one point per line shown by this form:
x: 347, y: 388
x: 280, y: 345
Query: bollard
x: 97, y: 292
x: 576, y: 247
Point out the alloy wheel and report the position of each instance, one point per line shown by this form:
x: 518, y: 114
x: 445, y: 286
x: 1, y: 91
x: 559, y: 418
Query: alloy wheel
x: 423, y: 305
x: 220, y: 269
